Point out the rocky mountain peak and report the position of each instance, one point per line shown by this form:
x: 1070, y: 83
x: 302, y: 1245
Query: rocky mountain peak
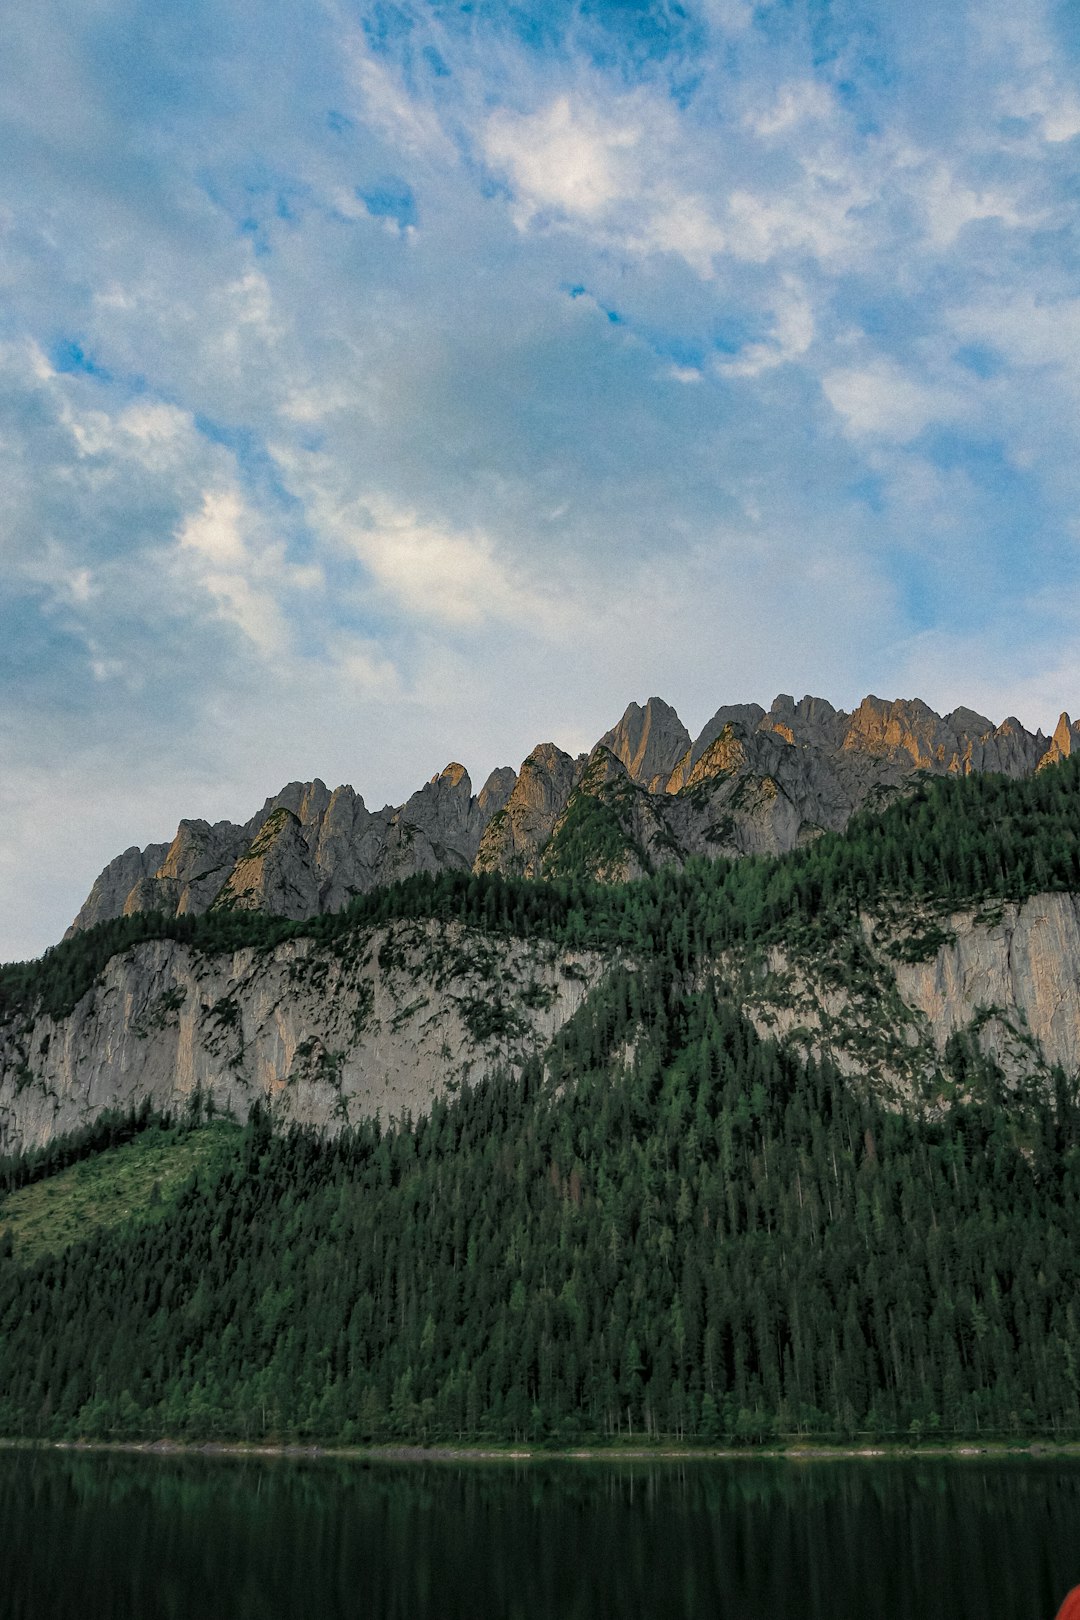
x: 810, y: 723
x: 649, y: 742
x: 969, y: 723
x: 496, y: 790
x: 743, y: 718
x: 453, y: 774
x: 516, y: 835
x: 1064, y: 741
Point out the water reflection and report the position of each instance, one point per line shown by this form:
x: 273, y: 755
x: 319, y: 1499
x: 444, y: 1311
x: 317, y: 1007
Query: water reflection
x: 119, y: 1537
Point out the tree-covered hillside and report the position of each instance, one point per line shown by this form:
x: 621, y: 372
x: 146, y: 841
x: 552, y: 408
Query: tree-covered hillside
x: 717, y: 1242
x: 669, y: 1227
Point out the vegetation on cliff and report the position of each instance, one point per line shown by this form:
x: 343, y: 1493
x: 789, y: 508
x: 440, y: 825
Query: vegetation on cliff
x: 670, y: 1227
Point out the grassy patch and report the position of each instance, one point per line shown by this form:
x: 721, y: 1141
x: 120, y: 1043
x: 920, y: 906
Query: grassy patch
x: 137, y: 1181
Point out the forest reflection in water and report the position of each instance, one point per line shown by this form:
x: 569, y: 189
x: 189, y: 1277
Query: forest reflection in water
x: 189, y: 1538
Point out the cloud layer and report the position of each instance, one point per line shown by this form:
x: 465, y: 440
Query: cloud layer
x: 387, y: 383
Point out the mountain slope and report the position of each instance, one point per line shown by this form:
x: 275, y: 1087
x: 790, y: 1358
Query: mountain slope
x: 947, y: 923
x: 722, y: 1243
x: 778, y: 1146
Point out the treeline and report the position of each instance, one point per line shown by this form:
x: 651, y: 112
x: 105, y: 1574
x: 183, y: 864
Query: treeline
x: 951, y: 842
x: 683, y: 1231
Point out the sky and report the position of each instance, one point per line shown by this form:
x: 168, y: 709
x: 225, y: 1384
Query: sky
x: 386, y: 384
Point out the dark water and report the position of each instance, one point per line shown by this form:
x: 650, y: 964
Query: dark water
x: 106, y: 1537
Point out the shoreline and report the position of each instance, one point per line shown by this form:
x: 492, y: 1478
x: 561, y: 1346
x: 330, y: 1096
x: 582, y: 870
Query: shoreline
x: 404, y: 1453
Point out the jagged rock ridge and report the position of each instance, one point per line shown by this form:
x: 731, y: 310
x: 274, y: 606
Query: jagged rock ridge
x: 753, y: 781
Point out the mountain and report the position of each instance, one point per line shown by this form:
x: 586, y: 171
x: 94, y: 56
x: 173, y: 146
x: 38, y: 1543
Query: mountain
x: 949, y: 919
x: 753, y: 782
x: 747, y: 1149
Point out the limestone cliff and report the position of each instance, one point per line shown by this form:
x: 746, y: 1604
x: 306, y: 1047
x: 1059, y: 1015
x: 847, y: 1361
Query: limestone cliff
x: 306, y: 851
x: 1063, y: 742
x: 319, y: 1036
x: 1004, y: 982
x: 387, y: 1020
x: 611, y: 826
x: 518, y: 833
x: 649, y: 742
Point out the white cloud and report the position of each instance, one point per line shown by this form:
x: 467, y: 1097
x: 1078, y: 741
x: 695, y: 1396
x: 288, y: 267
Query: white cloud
x: 1049, y: 100
x: 729, y: 16
x: 1029, y: 330
x: 684, y: 226
x: 40, y: 366
x: 245, y: 323
x: 1061, y: 118
x: 214, y: 531
x: 80, y: 585
x: 565, y: 157
x: 368, y: 672
x: 386, y: 104
x: 450, y: 576
x: 948, y: 205
x: 155, y: 425
x: 315, y: 402
x: 157, y: 435
x: 612, y: 171
x: 220, y: 548
x: 879, y: 400
x: 790, y: 338
x: 818, y: 219
x: 795, y: 104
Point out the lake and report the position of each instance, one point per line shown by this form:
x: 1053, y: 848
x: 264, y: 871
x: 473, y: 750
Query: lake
x: 124, y: 1537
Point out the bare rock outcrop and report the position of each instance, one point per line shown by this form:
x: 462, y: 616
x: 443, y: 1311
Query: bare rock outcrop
x: 612, y: 828
x: 109, y: 895
x: 754, y: 781
x: 649, y: 742
x: 321, y: 1037
x: 1004, y: 981
x: 275, y: 873
x: 517, y: 835
x: 390, y: 1019
x: 1063, y: 743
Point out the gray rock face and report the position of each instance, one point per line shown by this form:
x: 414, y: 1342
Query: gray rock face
x: 1009, y: 982
x: 452, y: 821
x: 753, y: 781
x: 517, y: 835
x: 327, y: 1036
x: 1063, y: 742
x: 604, y: 783
x: 649, y: 742
x: 742, y: 717
x: 321, y: 1037
x: 308, y: 850
x: 275, y: 873
x: 125, y: 873
x: 763, y: 782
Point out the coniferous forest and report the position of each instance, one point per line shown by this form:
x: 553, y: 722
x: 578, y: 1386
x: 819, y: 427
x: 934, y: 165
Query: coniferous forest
x: 669, y: 1228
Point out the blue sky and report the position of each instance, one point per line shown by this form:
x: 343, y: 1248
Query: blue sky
x: 388, y: 383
